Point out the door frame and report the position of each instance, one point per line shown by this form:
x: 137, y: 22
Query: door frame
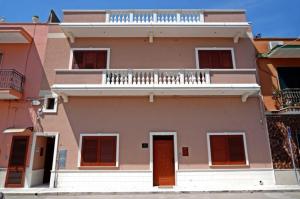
x: 52, y: 176
x: 174, y: 134
x: 26, y: 154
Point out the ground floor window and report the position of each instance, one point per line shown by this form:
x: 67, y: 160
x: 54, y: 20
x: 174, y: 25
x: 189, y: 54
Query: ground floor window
x: 99, y: 150
x: 227, y: 149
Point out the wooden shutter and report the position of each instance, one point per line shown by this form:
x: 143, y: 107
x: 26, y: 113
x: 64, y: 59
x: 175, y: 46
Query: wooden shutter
x: 107, y: 155
x: 227, y: 150
x: 90, y: 59
x: 89, y: 151
x: 219, y: 149
x: 98, y: 151
x: 215, y: 59
x: 236, y: 149
x: 77, y: 59
x: 101, y: 59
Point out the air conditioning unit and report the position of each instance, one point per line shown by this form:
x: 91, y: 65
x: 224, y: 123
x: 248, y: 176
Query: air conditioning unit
x: 273, y: 44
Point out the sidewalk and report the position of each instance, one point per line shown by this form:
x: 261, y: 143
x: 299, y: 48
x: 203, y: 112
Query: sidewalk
x: 120, y: 190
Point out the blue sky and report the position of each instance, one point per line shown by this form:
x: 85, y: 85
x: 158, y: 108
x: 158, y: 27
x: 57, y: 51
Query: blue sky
x: 272, y: 18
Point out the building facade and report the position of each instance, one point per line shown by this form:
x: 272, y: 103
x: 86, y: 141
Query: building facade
x: 141, y: 99
x: 22, y: 51
x: 279, y: 73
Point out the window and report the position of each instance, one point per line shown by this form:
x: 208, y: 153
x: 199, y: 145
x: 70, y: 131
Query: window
x: 50, y: 104
x: 289, y: 77
x: 90, y: 59
x: 227, y: 149
x: 99, y: 150
x: 215, y: 58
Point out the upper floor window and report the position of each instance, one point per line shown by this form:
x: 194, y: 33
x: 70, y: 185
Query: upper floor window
x: 215, y: 58
x: 90, y: 59
x: 289, y: 77
x: 227, y: 149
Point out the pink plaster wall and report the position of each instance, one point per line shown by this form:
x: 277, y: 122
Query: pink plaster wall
x: 225, y: 17
x: 138, y: 53
x: 96, y: 16
x: 134, y: 117
x: 28, y: 59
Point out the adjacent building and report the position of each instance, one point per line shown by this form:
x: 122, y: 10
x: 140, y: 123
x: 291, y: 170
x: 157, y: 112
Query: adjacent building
x: 279, y: 73
x: 140, y: 99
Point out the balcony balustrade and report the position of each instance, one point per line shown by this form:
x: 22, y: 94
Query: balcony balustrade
x: 11, y: 79
x: 156, y: 77
x: 155, y: 16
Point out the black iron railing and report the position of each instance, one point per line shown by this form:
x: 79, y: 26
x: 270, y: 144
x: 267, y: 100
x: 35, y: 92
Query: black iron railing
x: 11, y: 79
x: 288, y: 98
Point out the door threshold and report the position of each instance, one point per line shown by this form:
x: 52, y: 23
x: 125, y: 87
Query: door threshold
x: 166, y: 187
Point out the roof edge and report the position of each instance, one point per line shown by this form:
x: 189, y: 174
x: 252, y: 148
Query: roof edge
x: 203, y: 10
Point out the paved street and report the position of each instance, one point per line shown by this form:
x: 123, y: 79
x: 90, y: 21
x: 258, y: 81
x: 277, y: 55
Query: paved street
x: 257, y: 195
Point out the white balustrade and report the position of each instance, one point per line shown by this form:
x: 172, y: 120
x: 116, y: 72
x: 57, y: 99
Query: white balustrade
x: 163, y: 77
x: 154, y: 16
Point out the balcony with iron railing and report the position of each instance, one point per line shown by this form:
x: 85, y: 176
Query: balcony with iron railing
x: 111, y: 82
x: 11, y: 84
x: 287, y: 99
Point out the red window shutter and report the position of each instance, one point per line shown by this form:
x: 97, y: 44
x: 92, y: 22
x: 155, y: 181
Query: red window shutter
x: 90, y: 59
x: 219, y: 149
x: 89, y: 151
x: 77, y: 60
x: 215, y: 59
x: 236, y: 149
x: 101, y: 59
x: 107, y: 155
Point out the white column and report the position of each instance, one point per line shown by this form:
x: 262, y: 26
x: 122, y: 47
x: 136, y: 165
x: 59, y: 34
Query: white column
x: 207, y: 77
x: 130, y: 77
x: 131, y: 17
x: 155, y: 17
x: 178, y: 17
x: 156, y: 77
x: 107, y: 20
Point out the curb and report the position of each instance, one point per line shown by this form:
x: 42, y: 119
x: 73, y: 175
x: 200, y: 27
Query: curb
x: 145, y: 193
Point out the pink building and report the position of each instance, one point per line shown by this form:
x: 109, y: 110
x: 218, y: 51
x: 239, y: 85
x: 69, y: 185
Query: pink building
x: 136, y: 99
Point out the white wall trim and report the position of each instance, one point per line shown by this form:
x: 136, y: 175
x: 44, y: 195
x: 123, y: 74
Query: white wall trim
x: 46, y: 98
x: 91, y: 49
x: 226, y: 133
x: 174, y: 134
x: 98, y: 134
x: 45, y: 134
x: 215, y: 48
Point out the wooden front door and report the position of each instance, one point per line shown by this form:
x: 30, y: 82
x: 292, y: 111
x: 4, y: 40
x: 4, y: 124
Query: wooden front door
x: 163, y: 161
x: 17, y: 162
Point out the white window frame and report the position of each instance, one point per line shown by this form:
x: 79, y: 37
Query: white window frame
x: 96, y: 135
x: 89, y: 49
x: 46, y: 98
x: 227, y: 133
x: 174, y: 134
x: 216, y: 48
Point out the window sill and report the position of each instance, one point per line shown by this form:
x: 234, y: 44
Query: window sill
x: 229, y: 166
x: 98, y: 167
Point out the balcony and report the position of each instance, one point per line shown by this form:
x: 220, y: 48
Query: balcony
x: 147, y: 82
x: 11, y: 84
x: 156, y: 23
x: 288, y: 99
